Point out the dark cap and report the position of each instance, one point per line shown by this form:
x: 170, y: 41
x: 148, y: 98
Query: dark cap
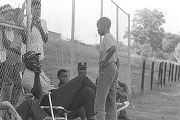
x: 30, y: 54
x: 82, y: 65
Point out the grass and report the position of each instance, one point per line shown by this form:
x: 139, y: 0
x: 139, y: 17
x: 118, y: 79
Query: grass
x: 87, y: 53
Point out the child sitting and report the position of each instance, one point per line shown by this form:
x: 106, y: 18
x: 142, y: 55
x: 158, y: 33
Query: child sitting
x: 122, y: 98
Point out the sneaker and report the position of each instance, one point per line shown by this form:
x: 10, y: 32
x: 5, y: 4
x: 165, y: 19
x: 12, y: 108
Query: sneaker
x: 122, y: 106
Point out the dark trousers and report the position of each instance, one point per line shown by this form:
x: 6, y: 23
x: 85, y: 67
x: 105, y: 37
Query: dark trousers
x: 79, y: 92
x: 77, y: 113
x: 84, y: 98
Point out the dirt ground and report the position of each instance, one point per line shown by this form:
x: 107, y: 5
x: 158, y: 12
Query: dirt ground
x: 161, y: 105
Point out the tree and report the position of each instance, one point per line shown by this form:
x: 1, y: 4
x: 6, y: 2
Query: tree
x: 147, y: 28
x: 170, y: 42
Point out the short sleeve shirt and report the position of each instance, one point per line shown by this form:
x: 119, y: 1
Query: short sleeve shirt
x: 28, y: 81
x: 107, y: 42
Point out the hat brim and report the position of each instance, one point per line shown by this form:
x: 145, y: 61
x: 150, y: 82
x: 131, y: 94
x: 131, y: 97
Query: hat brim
x: 82, y: 67
x: 33, y: 55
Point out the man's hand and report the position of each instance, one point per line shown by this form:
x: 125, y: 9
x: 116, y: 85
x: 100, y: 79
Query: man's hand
x: 37, y: 68
x: 101, y: 65
x: 37, y: 23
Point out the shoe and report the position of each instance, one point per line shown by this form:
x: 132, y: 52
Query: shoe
x: 122, y: 106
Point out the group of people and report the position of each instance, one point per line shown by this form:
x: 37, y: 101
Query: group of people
x: 79, y: 95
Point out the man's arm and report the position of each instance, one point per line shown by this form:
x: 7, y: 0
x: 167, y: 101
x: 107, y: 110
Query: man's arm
x: 43, y: 34
x: 108, y: 55
x: 89, y: 83
x: 37, y: 88
x: 3, y: 106
x: 5, y: 41
x: 23, y: 36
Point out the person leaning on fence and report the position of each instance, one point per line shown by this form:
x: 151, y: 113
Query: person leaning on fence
x: 11, y: 42
x: 106, y: 85
x: 39, y: 32
x: 38, y: 36
x: 78, y: 92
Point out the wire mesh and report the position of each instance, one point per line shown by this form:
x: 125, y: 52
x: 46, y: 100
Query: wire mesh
x: 58, y: 17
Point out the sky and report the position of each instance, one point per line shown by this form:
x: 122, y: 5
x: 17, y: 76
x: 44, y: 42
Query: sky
x: 57, y: 13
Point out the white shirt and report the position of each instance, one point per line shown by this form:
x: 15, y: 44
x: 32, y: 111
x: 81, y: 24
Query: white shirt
x: 28, y: 81
x: 107, y: 42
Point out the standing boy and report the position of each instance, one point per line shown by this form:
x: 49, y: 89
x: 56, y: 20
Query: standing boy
x: 105, y: 102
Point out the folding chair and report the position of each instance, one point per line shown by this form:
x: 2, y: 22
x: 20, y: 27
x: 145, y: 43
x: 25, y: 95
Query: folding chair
x: 52, y: 108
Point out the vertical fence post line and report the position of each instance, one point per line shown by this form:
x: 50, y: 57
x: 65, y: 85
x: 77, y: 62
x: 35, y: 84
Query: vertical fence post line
x: 29, y: 17
x: 101, y: 14
x: 162, y: 66
x: 143, y: 74
x: 175, y: 73
x: 164, y: 82
x: 129, y: 46
x: 62, y: 55
x: 169, y: 77
x: 72, y: 38
x: 129, y: 54
x: 152, y: 74
x: 178, y: 72
x: 159, y: 74
x: 172, y: 73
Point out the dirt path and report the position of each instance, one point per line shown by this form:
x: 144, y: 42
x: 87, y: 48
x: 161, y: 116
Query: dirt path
x: 163, y: 105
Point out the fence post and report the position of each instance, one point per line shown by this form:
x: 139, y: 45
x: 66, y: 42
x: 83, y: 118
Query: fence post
x: 178, y: 72
x: 162, y: 64
x: 164, y: 82
x: 169, y: 77
x: 143, y: 73
x: 152, y: 74
x: 159, y: 74
x: 172, y: 73
x: 175, y: 73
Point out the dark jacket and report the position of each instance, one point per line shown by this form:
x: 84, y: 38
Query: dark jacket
x: 64, y: 95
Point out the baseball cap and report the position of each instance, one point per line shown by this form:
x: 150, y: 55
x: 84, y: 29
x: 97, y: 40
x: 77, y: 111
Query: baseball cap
x: 82, y: 65
x: 30, y: 54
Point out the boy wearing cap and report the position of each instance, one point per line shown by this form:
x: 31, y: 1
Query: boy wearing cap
x: 82, y: 70
x: 106, y: 85
x: 82, y: 66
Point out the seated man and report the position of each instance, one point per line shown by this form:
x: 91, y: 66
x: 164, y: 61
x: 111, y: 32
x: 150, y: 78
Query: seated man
x: 63, y: 78
x: 82, y: 70
x: 78, y: 92
x: 122, y: 97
